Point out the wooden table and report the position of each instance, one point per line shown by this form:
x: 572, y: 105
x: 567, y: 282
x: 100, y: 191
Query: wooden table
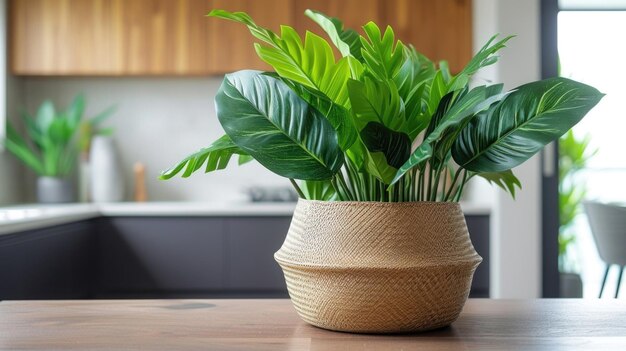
x: 274, y: 325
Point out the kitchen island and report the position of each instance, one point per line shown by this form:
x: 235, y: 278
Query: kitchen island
x: 274, y: 325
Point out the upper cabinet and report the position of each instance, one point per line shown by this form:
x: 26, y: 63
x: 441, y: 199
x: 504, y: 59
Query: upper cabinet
x: 174, y: 37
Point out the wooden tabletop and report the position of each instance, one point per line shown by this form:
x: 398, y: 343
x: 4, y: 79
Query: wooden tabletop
x: 274, y: 325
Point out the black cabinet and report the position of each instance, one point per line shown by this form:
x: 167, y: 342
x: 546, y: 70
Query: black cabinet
x: 50, y: 263
x: 478, y: 227
x: 160, y: 255
x: 164, y: 257
x: 250, y: 246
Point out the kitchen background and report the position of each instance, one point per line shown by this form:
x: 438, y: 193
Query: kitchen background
x: 161, y: 118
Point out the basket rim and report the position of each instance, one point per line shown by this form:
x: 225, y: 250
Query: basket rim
x: 446, y: 204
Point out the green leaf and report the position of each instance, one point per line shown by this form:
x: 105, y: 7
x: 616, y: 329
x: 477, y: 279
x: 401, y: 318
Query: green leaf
x: 243, y: 159
x: 381, y: 53
x: 485, y: 55
x: 395, y: 146
x: 518, y: 127
x: 216, y: 156
x: 413, y: 81
x: 45, y: 116
x: 338, y: 116
x: 346, y: 40
x: 273, y: 124
x: 376, y: 101
x: 17, y: 145
x: 75, y: 111
x: 311, y: 64
x: 322, y: 190
x: 463, y: 108
x: 505, y: 180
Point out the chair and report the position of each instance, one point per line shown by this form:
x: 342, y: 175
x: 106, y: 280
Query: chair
x: 608, y: 226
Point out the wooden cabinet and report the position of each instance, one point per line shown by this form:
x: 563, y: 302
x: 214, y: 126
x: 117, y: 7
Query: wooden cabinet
x: 173, y: 37
x: 442, y: 29
x: 138, y: 37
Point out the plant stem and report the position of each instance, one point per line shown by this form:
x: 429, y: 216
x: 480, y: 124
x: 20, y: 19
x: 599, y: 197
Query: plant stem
x: 430, y: 181
x: 298, y: 190
x: 435, y: 186
x: 445, y: 181
x: 460, y: 192
x: 456, y: 177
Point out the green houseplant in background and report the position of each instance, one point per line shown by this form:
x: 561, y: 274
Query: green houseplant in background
x: 379, y: 145
x: 49, y: 148
x: 573, y: 157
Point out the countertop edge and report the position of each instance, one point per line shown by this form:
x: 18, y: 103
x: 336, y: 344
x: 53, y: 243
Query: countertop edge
x: 30, y: 217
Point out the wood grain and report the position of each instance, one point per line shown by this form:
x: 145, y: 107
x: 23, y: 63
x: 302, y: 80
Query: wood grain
x: 274, y: 325
x: 173, y: 37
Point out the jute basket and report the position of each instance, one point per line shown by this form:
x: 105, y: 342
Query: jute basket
x: 373, y: 267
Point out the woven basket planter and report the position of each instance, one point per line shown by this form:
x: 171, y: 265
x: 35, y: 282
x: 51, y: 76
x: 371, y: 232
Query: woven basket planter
x: 373, y: 267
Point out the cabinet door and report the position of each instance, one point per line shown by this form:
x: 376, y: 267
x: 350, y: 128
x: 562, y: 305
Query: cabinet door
x: 109, y: 37
x: 250, y: 246
x: 62, y: 37
x: 169, y: 256
x: 478, y: 227
x: 441, y: 30
x: 48, y: 263
x: 231, y: 46
x: 160, y: 37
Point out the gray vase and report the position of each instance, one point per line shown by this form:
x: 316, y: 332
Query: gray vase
x: 52, y: 190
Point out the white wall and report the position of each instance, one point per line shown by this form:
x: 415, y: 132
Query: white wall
x: 516, y: 225
x: 158, y: 122
x: 10, y: 171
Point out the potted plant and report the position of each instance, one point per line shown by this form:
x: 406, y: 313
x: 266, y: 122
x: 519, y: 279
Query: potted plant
x: 49, y: 148
x: 573, y: 156
x: 379, y: 145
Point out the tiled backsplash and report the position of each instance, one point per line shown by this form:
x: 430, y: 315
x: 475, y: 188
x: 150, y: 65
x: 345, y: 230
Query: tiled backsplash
x: 158, y: 122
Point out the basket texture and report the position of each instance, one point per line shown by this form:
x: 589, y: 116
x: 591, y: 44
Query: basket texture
x: 373, y: 267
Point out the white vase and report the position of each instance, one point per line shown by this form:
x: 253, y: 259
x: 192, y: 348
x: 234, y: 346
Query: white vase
x: 107, y: 177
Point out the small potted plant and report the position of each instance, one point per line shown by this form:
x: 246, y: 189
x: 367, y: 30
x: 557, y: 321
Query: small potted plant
x: 573, y: 157
x: 379, y: 145
x: 49, y: 148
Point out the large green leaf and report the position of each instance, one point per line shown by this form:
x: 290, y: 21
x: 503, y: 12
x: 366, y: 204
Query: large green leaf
x: 311, y: 64
x: 338, y: 116
x: 463, y: 108
x: 346, y: 40
x: 216, y: 156
x: 280, y: 130
x: 396, y: 146
x: 518, y: 127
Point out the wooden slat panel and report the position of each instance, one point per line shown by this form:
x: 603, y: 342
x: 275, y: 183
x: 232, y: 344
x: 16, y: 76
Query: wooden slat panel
x: 442, y: 29
x: 60, y: 36
x: 232, y: 45
x: 173, y: 37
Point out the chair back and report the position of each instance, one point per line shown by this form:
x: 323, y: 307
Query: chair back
x: 608, y: 226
